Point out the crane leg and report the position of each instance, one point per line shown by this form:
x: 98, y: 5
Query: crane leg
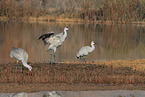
x: 16, y: 66
x: 84, y: 60
x: 54, y: 54
x: 21, y: 67
x: 50, y: 58
x: 81, y: 58
x: 54, y: 57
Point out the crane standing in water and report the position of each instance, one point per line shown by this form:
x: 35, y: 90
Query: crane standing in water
x: 21, y: 55
x: 54, y: 41
x: 84, y: 51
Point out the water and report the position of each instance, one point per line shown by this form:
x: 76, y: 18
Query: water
x: 116, y: 41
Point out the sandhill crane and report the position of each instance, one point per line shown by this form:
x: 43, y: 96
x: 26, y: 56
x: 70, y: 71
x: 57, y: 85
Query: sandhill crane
x: 52, y: 94
x: 22, y: 94
x: 54, y: 41
x: 84, y: 51
x: 21, y: 55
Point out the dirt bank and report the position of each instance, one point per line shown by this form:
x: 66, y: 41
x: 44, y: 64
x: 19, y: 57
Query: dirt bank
x: 73, y: 76
x: 35, y: 87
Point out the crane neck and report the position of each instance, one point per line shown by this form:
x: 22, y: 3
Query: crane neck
x: 26, y: 65
x: 65, y: 33
x: 92, y: 46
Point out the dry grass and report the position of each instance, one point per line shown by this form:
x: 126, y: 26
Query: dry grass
x: 104, y: 73
x: 53, y: 19
x: 137, y: 65
x: 116, y: 11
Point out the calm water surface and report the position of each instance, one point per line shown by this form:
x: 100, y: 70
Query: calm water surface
x: 117, y: 41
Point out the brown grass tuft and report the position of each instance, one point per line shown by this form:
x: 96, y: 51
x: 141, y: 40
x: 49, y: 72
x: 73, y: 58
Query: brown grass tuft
x: 111, y: 72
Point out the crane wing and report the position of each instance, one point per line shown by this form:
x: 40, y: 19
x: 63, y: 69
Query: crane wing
x: 59, y: 34
x: 83, y: 51
x: 19, y: 53
x: 44, y: 36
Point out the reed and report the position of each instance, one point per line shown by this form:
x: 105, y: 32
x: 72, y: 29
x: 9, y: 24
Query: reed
x: 112, y: 11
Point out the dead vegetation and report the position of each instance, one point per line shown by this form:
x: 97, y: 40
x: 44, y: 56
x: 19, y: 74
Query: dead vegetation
x: 100, y: 73
x: 113, y: 11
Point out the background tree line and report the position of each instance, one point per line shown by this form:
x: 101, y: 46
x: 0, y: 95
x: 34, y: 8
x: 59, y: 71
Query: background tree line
x: 94, y: 10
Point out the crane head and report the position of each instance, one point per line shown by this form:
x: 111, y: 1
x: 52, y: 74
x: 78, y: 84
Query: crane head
x: 30, y: 68
x: 66, y: 28
x: 93, y: 42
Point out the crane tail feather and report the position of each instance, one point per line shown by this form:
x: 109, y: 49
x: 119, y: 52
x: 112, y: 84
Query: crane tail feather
x: 44, y: 36
x: 40, y: 37
x: 45, y: 43
x: 77, y: 57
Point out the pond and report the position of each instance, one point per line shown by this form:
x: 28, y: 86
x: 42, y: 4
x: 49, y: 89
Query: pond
x: 116, y: 41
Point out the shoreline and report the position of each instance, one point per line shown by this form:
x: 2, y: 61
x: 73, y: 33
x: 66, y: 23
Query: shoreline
x: 69, y: 20
x: 35, y: 87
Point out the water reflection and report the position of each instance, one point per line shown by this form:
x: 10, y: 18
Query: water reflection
x: 116, y: 41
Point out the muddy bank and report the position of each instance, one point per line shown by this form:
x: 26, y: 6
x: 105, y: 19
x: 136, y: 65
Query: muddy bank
x: 73, y: 76
x: 34, y: 87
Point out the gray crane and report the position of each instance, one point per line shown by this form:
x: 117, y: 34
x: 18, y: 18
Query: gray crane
x: 84, y: 51
x: 21, y: 55
x: 54, y: 41
x: 21, y: 94
x: 52, y: 94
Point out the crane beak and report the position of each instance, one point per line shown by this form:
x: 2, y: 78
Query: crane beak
x: 96, y: 43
